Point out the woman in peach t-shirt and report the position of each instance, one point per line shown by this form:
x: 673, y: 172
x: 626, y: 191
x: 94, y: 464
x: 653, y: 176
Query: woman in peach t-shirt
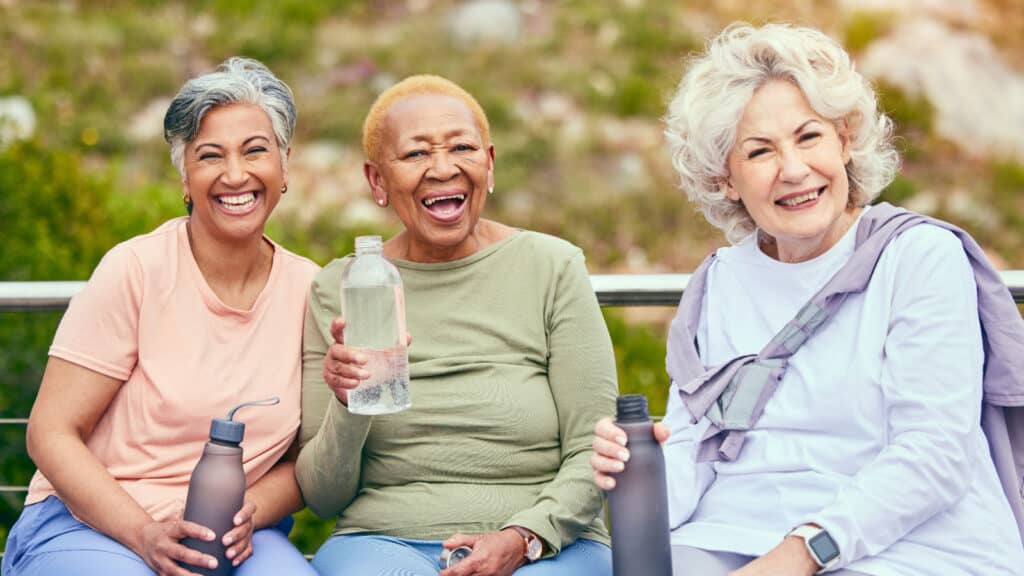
x: 173, y: 329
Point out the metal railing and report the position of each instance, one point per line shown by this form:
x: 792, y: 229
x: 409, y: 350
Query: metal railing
x: 611, y: 290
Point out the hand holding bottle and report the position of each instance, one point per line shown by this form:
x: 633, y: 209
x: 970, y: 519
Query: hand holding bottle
x: 239, y: 539
x: 161, y: 548
x: 610, y: 452
x: 344, y: 366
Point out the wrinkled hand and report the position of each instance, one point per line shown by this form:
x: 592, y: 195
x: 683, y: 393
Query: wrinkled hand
x: 161, y: 548
x: 239, y: 539
x: 342, y: 365
x: 494, y: 554
x: 789, y: 558
x: 610, y: 455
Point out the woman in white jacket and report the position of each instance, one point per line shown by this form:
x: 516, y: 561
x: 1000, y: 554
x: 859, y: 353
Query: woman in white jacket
x: 868, y: 456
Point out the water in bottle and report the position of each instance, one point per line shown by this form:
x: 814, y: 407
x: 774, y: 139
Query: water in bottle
x: 638, y: 505
x: 216, y: 490
x: 374, y: 308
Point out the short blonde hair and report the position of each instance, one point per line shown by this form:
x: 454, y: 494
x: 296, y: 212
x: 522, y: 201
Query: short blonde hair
x: 704, y: 113
x: 423, y: 84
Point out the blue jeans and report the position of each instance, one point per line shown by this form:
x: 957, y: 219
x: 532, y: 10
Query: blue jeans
x: 371, y: 555
x: 47, y: 540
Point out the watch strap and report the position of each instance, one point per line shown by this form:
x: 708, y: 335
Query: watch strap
x: 808, y: 531
x: 533, y: 546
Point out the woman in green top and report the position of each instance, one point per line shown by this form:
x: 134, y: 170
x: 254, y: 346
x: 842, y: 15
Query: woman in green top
x: 511, y: 366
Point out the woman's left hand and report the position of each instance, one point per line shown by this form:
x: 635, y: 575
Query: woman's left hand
x: 494, y: 554
x: 239, y: 539
x: 789, y: 558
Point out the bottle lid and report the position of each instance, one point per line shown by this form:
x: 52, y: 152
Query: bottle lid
x: 229, y: 431
x: 631, y: 408
x: 365, y: 244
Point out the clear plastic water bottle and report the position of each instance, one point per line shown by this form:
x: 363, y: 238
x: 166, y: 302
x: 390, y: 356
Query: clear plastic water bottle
x: 638, y: 505
x: 374, y: 308
x: 216, y: 490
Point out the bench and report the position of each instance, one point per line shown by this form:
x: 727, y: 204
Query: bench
x: 611, y: 290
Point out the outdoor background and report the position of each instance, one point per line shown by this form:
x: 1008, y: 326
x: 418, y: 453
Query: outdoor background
x: 574, y: 89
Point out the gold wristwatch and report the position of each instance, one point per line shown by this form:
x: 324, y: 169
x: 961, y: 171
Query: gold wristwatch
x: 533, y: 546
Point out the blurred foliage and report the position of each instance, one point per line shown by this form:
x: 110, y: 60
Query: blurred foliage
x: 898, y: 191
x: 640, y: 360
x: 863, y: 28
x: 53, y: 213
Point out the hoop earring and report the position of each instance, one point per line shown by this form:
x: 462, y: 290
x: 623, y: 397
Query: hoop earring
x: 186, y: 199
x: 284, y: 189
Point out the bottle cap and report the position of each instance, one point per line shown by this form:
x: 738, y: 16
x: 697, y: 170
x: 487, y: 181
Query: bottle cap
x: 631, y: 408
x: 226, y: 431
x: 366, y: 244
x: 229, y: 431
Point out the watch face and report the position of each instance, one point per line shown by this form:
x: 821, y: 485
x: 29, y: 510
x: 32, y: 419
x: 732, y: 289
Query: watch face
x: 533, y: 549
x: 823, y: 547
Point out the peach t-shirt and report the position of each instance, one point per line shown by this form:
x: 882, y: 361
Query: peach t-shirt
x: 148, y: 317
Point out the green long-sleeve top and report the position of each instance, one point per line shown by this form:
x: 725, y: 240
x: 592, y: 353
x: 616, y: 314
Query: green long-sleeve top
x: 511, y: 365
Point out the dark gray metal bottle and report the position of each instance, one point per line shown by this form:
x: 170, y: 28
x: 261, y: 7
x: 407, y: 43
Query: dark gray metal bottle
x: 638, y: 506
x: 216, y: 490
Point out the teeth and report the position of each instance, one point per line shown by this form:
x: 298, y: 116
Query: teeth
x: 799, y: 199
x: 430, y: 201
x: 239, y: 200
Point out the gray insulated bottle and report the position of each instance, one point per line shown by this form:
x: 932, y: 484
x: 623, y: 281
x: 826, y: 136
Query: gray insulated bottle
x: 216, y: 490
x: 638, y: 506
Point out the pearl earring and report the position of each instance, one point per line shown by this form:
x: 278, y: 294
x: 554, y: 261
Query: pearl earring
x: 380, y: 201
x: 490, y: 190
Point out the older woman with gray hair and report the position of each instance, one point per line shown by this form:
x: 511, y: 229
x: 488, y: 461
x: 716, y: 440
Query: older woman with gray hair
x: 173, y: 329
x: 828, y: 368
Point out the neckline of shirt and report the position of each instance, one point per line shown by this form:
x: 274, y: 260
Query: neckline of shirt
x: 213, y: 302
x: 749, y: 252
x: 461, y: 262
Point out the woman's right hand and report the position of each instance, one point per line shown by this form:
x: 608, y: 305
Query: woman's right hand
x: 161, y: 547
x: 610, y: 453
x: 343, y: 366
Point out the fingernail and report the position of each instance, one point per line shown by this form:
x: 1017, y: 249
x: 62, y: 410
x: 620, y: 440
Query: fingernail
x: 364, y: 374
x: 621, y: 440
x: 624, y: 455
x: 228, y: 541
x: 609, y: 483
x: 360, y: 358
x: 231, y: 553
x: 620, y: 466
x: 211, y: 564
x: 210, y: 535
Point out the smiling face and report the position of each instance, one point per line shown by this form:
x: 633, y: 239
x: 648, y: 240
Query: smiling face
x: 788, y: 167
x: 435, y: 170
x: 233, y: 172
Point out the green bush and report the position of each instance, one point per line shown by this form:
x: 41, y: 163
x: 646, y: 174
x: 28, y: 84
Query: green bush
x: 53, y: 215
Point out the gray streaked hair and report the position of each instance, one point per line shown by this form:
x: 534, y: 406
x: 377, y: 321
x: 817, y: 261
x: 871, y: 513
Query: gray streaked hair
x: 704, y: 113
x: 236, y: 81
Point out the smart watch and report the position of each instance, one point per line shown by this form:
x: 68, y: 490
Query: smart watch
x: 534, y: 546
x: 820, y: 545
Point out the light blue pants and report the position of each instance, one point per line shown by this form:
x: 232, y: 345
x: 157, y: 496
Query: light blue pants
x: 370, y: 555
x: 47, y: 540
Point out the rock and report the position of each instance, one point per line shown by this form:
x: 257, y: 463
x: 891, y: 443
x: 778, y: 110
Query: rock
x: 964, y: 11
x: 495, y: 21
x: 148, y: 123
x: 17, y: 120
x: 978, y: 98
